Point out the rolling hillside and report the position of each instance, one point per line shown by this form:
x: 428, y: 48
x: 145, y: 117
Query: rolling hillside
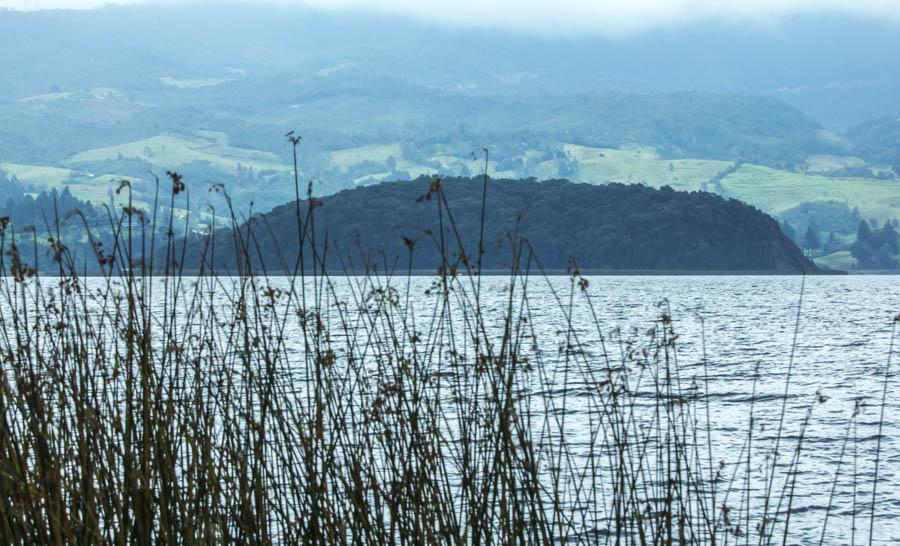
x: 208, y: 158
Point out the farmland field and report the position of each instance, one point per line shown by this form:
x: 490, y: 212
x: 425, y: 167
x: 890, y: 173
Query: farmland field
x: 599, y: 165
x: 39, y: 175
x: 775, y: 191
x: 171, y: 151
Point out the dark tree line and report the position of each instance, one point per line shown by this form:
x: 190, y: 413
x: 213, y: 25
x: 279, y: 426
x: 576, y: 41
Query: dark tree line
x: 876, y: 248
x: 612, y: 226
x: 47, y: 215
x: 44, y: 208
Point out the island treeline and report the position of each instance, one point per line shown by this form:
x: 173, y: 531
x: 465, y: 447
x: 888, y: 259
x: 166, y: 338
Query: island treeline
x: 429, y: 223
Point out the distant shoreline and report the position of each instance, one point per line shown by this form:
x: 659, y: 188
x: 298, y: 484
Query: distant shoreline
x: 550, y: 272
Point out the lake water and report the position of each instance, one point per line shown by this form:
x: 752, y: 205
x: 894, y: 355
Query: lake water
x: 729, y: 328
x: 842, y: 344
x: 843, y: 335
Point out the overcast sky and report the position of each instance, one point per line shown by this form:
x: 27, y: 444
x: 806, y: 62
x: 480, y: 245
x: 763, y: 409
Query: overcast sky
x: 554, y: 16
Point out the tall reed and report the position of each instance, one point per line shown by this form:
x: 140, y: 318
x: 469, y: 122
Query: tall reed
x: 146, y: 406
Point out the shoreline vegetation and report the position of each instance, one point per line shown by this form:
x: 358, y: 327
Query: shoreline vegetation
x: 564, y: 273
x: 165, y: 409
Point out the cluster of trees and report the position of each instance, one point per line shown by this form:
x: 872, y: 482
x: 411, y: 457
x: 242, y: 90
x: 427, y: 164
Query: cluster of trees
x: 613, y: 226
x: 10, y: 188
x: 821, y: 227
x: 876, y: 248
x: 824, y: 227
x: 50, y: 208
x: 33, y: 209
x: 34, y: 218
x: 814, y: 241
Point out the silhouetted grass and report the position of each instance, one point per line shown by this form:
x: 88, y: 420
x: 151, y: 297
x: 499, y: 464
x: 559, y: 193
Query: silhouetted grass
x: 317, y: 407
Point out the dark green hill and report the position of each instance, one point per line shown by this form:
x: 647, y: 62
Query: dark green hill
x: 615, y: 226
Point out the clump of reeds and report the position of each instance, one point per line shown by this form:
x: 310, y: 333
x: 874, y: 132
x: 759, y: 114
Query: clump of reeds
x: 147, y: 406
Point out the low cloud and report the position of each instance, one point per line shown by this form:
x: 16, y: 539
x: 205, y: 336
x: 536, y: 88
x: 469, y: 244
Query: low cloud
x: 608, y: 17
x: 604, y: 17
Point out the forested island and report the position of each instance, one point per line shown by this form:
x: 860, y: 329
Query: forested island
x: 397, y: 226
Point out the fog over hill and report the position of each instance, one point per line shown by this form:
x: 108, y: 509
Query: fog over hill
x: 838, y: 68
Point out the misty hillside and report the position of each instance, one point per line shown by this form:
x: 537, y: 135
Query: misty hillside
x: 878, y: 140
x: 616, y: 227
x: 839, y: 69
x: 783, y: 117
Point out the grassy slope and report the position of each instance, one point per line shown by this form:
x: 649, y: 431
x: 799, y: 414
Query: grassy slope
x: 379, y: 153
x: 39, y: 175
x: 172, y: 151
x: 437, y: 164
x: 825, y: 163
x: 775, y: 191
x: 770, y: 189
x: 598, y: 165
x: 841, y: 260
x: 595, y: 165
